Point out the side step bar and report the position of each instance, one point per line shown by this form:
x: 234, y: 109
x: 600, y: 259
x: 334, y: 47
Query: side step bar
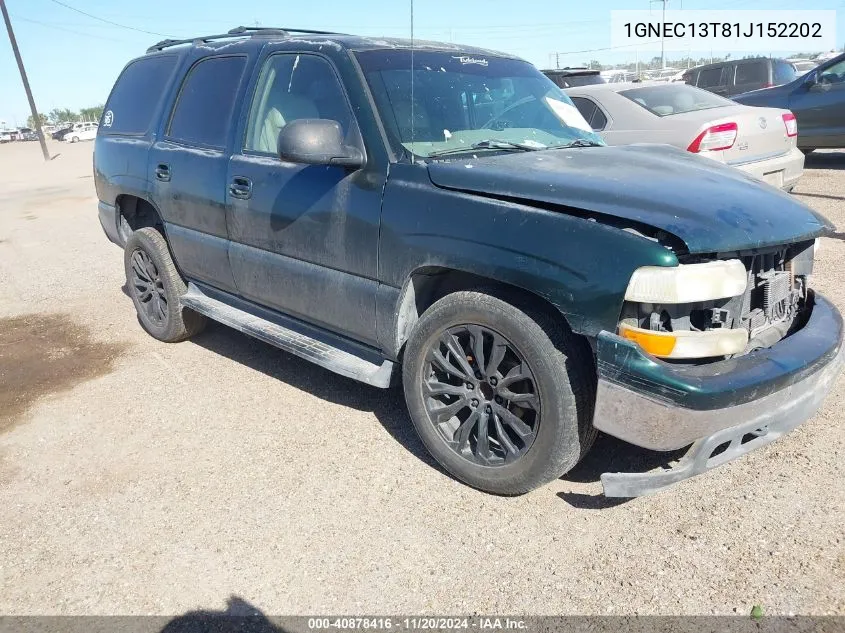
x: 334, y: 353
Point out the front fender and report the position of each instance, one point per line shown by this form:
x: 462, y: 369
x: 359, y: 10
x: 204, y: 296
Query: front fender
x: 580, y: 266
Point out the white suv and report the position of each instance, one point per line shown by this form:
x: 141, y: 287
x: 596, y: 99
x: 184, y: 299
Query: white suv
x: 82, y: 132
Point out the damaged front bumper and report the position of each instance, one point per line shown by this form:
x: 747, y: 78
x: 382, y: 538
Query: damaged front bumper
x: 724, y: 409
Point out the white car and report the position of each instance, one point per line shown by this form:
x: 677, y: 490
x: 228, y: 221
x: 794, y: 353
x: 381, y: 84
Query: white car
x: 82, y: 132
x: 760, y: 141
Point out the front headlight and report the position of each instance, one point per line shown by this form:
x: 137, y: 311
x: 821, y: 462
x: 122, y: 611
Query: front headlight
x: 687, y: 344
x: 687, y: 283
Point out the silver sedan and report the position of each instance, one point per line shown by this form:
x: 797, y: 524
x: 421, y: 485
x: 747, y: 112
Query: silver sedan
x: 759, y: 141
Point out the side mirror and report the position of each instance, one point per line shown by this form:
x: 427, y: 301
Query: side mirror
x: 317, y: 142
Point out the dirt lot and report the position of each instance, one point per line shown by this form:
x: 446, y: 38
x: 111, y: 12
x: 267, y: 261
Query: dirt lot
x: 140, y: 477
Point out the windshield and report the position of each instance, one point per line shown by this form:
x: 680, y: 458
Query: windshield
x: 462, y: 100
x: 667, y: 99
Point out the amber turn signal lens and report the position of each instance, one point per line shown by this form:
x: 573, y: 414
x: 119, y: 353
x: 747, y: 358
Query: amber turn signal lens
x: 654, y: 344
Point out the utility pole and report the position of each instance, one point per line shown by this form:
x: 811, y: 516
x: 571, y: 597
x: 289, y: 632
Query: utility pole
x: 662, y: 34
x: 36, y: 119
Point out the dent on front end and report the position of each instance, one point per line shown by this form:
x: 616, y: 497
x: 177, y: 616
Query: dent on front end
x: 724, y: 352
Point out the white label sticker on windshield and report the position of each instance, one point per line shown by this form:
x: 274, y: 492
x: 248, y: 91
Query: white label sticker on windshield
x: 568, y: 114
x: 465, y: 59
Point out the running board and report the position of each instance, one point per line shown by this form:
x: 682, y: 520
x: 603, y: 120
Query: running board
x: 334, y: 353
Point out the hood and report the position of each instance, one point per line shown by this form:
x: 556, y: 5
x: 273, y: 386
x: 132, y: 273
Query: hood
x: 711, y: 207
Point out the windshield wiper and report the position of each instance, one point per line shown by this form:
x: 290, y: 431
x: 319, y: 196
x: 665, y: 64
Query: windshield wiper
x: 490, y: 144
x: 578, y: 142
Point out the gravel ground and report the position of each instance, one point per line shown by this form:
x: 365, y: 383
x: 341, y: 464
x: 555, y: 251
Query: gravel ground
x: 147, y: 478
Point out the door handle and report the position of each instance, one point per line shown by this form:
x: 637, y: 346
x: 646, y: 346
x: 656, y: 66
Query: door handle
x: 241, y: 188
x: 163, y: 172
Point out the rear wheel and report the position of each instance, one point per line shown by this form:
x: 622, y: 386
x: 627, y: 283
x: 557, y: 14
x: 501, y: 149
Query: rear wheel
x: 156, y: 288
x: 501, y: 398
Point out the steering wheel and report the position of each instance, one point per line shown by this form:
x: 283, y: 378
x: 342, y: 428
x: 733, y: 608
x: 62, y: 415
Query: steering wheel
x: 507, y: 124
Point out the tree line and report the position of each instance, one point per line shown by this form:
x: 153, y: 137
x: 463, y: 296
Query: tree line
x: 66, y: 115
x: 655, y: 63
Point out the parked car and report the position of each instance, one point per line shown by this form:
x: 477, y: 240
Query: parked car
x: 81, y: 132
x: 59, y: 135
x: 760, y: 142
x: 818, y: 101
x: 735, y: 77
x: 5, y: 136
x: 569, y: 77
x: 27, y: 134
x: 615, y: 75
x: 365, y: 204
x: 803, y: 66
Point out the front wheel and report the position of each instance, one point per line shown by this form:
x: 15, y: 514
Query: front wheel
x: 502, y: 399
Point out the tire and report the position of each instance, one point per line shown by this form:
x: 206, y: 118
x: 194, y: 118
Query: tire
x: 74, y: 139
x: 156, y: 288
x: 558, y: 396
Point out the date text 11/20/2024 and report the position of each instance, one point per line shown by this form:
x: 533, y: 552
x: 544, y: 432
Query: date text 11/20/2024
x: 417, y: 623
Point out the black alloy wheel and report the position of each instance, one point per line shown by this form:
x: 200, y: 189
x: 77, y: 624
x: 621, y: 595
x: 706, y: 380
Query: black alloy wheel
x: 148, y: 287
x: 156, y: 287
x: 481, y: 395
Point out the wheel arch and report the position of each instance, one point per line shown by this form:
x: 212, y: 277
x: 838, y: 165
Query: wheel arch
x: 427, y: 284
x: 139, y: 212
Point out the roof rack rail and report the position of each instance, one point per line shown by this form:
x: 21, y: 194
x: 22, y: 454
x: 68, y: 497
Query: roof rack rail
x: 238, y: 31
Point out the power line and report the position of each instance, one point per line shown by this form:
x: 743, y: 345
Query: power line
x: 607, y: 48
x: 66, y: 30
x: 94, y: 17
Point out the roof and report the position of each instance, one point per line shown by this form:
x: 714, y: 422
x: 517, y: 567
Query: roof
x: 748, y: 60
x: 568, y: 72
x: 349, y: 42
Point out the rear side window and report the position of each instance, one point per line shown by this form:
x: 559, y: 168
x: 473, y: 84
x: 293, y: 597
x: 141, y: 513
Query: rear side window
x: 203, y: 111
x: 757, y: 73
x: 136, y: 94
x: 599, y: 121
x: 711, y: 77
x: 591, y: 112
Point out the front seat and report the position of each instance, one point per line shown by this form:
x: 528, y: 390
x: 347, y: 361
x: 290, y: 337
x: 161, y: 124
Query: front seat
x: 286, y: 107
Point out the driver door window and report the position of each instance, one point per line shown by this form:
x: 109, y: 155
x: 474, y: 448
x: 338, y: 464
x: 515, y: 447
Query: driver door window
x: 834, y: 74
x: 293, y: 87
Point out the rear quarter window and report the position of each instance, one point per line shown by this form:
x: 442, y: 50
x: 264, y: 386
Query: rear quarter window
x: 711, y: 77
x: 755, y: 73
x: 136, y: 94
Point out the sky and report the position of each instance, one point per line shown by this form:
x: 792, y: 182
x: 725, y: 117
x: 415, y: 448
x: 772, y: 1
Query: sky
x: 72, y: 59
